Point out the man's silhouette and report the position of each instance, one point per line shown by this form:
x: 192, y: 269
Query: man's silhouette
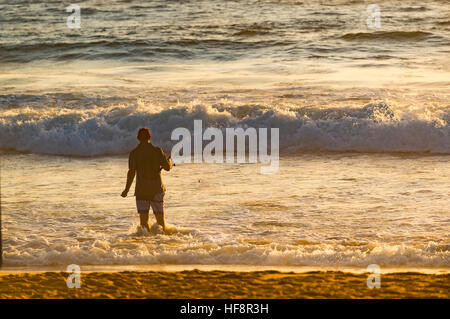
x: 146, y: 161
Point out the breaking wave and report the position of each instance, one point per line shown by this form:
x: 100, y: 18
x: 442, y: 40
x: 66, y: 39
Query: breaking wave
x: 110, y: 127
x: 38, y: 251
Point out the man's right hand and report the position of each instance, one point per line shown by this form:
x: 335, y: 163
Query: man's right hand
x: 124, y: 193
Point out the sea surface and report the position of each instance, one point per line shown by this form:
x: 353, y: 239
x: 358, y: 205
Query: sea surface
x: 363, y: 115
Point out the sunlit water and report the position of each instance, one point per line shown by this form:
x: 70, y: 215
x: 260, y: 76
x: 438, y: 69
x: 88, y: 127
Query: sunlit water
x: 127, y: 45
x: 319, y: 210
x: 363, y: 116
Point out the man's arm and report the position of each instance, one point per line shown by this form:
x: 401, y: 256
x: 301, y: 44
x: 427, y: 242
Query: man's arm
x: 166, y: 163
x: 130, y: 175
x: 130, y: 179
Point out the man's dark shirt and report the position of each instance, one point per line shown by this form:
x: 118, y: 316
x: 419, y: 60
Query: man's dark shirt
x: 147, y: 160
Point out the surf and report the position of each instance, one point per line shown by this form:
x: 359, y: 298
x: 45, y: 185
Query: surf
x: 156, y: 229
x: 110, y: 130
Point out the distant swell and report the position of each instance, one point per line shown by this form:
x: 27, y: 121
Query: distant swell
x: 96, y: 131
x: 394, y: 35
x: 131, y: 50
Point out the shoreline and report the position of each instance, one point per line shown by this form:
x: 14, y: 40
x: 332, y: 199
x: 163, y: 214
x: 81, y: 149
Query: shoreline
x: 214, y: 267
x: 197, y: 284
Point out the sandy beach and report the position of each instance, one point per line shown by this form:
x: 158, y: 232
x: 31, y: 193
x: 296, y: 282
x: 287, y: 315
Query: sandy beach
x: 223, y: 284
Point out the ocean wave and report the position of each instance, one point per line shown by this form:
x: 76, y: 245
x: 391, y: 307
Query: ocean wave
x: 39, y: 251
x: 107, y: 130
x: 250, y: 33
x: 88, y: 50
x: 385, y: 35
x: 413, y: 9
x: 135, y: 50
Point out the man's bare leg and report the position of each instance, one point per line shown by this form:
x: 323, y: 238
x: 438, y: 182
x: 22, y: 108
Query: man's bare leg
x: 144, y: 221
x: 160, y: 220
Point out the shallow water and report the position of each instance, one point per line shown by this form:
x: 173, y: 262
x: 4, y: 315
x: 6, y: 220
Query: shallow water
x: 319, y: 210
x: 364, y: 121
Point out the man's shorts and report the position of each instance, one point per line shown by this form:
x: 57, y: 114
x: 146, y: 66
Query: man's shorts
x: 157, y: 204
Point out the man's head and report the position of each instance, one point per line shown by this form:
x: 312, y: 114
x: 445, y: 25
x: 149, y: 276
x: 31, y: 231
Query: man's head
x: 144, y: 135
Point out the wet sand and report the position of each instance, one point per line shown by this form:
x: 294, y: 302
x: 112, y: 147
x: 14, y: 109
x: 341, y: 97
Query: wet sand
x: 223, y: 284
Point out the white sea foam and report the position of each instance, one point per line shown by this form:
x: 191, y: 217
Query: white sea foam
x: 111, y: 129
x: 181, y: 246
x: 156, y: 229
x: 189, y: 251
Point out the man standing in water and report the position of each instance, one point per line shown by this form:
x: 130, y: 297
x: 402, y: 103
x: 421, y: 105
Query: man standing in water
x: 146, y: 161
